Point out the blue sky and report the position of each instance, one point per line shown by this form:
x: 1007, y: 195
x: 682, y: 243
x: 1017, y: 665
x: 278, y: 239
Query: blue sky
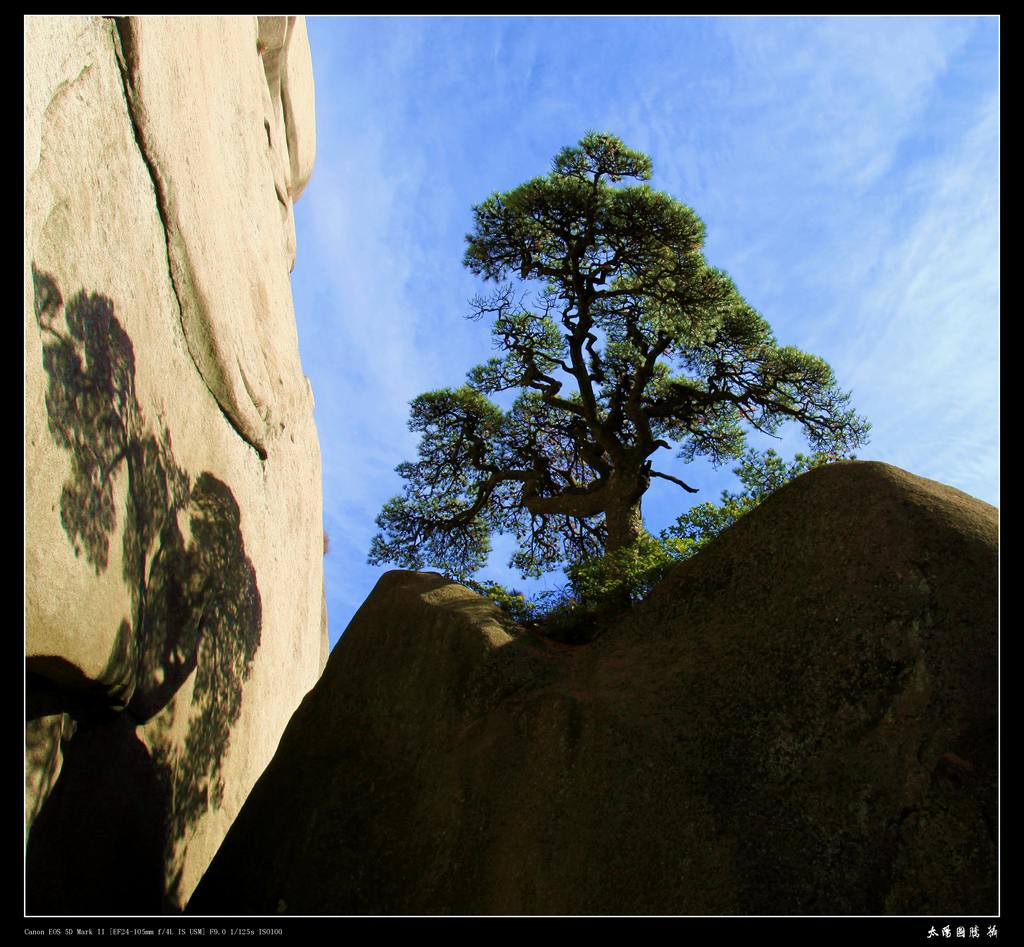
x: 846, y: 169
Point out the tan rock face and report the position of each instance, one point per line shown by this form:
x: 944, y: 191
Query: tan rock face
x: 802, y: 719
x: 174, y: 578
x: 215, y: 169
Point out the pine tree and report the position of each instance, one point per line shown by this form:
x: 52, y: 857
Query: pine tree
x: 621, y: 341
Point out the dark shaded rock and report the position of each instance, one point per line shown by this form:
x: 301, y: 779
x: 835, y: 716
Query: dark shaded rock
x: 800, y: 720
x: 97, y: 845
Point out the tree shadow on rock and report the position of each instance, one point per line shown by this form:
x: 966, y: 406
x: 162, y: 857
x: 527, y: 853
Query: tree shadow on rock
x: 196, y: 613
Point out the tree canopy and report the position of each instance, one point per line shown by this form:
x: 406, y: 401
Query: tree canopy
x: 621, y: 341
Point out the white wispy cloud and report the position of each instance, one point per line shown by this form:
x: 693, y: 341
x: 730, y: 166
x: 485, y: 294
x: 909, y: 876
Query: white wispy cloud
x: 835, y: 96
x: 928, y: 362
x: 871, y: 209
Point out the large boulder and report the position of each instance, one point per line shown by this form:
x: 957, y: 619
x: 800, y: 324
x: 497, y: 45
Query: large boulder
x: 802, y: 719
x: 174, y: 576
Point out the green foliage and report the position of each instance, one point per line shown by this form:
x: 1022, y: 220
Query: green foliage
x: 601, y: 587
x: 625, y: 576
x: 761, y: 475
x: 511, y: 601
x: 619, y: 340
x: 437, y: 483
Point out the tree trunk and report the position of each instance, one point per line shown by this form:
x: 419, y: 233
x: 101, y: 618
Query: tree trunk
x: 618, y: 499
x: 625, y: 525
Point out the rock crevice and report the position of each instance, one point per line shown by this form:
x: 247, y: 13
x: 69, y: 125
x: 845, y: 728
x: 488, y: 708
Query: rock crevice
x: 177, y: 259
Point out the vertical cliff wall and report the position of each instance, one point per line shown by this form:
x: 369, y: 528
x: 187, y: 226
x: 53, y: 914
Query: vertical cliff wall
x: 174, y: 578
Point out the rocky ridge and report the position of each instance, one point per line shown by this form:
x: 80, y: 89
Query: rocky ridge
x: 802, y: 719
